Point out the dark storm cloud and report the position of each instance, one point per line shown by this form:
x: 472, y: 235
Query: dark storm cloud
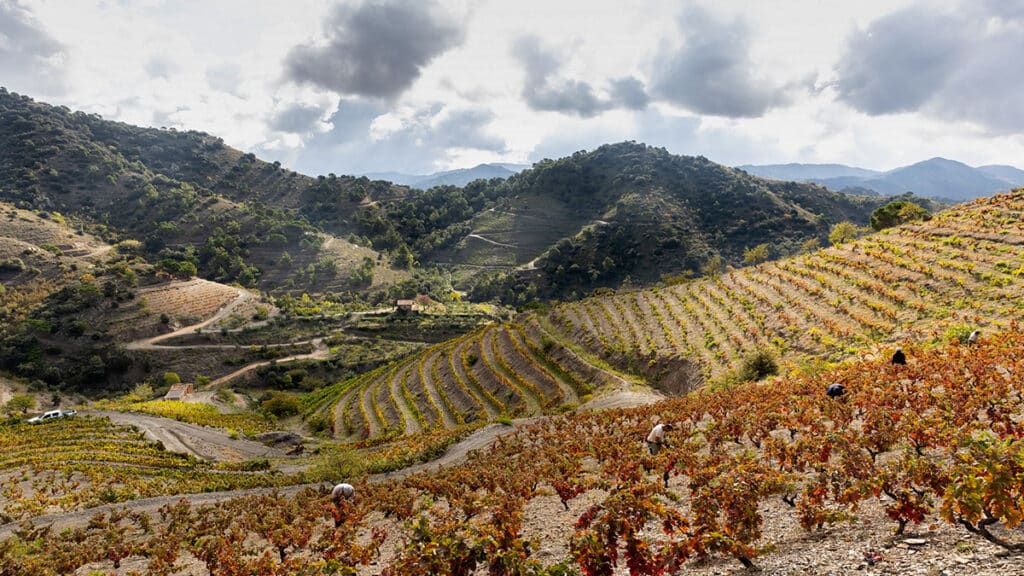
x: 712, y: 73
x: 376, y: 49
x: 956, y: 65
x: 543, y: 90
x: 30, y: 59
x: 296, y: 118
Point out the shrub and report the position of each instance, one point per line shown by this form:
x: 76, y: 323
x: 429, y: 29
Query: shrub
x: 280, y: 404
x: 896, y: 213
x: 171, y: 378
x: 844, y: 232
x: 960, y: 332
x: 757, y: 365
x: 12, y: 265
x: 20, y: 403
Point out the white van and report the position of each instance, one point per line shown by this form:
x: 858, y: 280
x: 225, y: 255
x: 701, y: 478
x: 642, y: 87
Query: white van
x: 51, y: 415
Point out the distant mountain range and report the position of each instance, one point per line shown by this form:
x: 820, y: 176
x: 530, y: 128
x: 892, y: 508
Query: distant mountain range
x: 935, y: 178
x: 459, y: 177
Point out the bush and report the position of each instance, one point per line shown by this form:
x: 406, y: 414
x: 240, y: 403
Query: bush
x: 959, y: 332
x: 280, y: 404
x: 20, y: 403
x: 896, y: 213
x: 844, y: 232
x: 337, y: 463
x: 12, y: 265
x: 171, y: 378
x: 758, y: 365
x: 225, y: 395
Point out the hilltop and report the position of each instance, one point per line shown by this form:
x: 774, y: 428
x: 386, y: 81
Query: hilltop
x: 631, y: 213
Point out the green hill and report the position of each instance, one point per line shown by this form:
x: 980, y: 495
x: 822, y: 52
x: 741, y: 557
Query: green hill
x: 631, y: 214
x: 185, y: 195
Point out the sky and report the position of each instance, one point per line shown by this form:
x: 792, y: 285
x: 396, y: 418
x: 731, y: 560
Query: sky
x: 417, y: 86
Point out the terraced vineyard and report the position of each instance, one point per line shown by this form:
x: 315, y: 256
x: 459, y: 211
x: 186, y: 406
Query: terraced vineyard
x: 498, y: 370
x: 85, y: 462
x: 906, y: 283
x: 910, y: 283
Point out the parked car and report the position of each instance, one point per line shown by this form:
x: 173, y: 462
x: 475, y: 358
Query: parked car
x: 52, y: 415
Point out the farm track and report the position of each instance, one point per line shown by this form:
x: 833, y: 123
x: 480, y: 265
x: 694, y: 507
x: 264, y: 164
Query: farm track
x: 453, y: 456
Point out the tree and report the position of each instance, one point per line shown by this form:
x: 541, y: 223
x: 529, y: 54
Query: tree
x: 810, y: 245
x: 896, y: 213
x: 171, y: 378
x: 756, y: 254
x: 21, y: 402
x: 403, y: 257
x: 714, y: 266
x: 844, y: 232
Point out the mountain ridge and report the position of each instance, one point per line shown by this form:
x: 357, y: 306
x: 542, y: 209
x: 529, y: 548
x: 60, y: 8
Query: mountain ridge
x: 937, y: 177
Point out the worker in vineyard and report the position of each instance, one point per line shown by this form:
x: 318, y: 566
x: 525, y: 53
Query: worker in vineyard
x: 973, y: 338
x: 342, y: 491
x: 656, y: 439
x: 835, y: 390
x: 899, y: 358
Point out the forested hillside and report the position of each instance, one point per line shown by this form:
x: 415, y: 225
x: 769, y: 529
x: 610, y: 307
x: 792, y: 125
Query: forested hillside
x: 621, y: 214
x: 196, y: 205
x: 631, y: 214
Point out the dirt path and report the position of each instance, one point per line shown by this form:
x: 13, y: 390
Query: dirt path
x: 456, y: 454
x: 320, y: 352
x: 199, y: 441
x: 489, y: 241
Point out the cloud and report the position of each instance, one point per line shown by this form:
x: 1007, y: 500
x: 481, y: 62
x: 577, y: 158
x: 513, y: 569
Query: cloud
x: 954, y: 64
x: 377, y: 49
x: 712, y: 72
x: 297, y: 118
x: 367, y: 138
x: 544, y: 91
x: 225, y: 77
x: 629, y: 93
x: 160, y: 67
x: 30, y: 59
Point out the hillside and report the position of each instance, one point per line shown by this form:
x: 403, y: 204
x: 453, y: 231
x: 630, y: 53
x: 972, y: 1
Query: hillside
x: 914, y: 471
x: 70, y: 303
x: 623, y: 213
x: 959, y: 271
x: 628, y: 212
x: 188, y: 198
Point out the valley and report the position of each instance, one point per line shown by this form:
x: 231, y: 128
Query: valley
x: 484, y: 361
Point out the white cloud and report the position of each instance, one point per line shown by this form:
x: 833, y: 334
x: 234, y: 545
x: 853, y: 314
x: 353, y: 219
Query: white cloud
x: 222, y: 67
